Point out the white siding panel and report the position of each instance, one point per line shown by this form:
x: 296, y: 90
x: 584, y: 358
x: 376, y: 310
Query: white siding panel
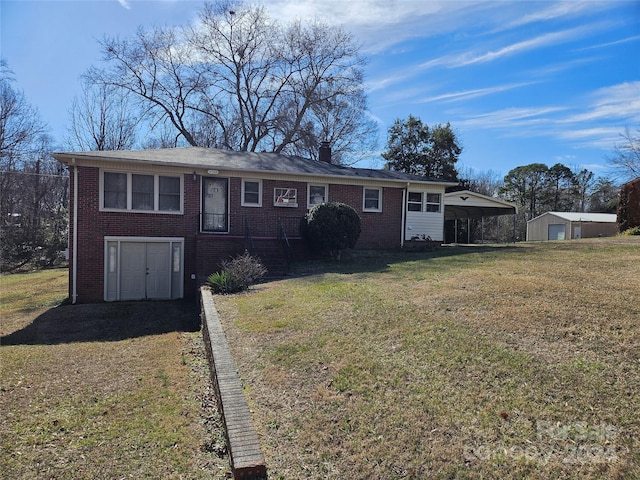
x: 425, y: 223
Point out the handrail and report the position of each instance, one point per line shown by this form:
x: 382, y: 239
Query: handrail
x: 284, y: 241
x: 248, y: 239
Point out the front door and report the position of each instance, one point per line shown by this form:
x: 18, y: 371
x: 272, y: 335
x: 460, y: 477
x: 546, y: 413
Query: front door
x: 215, y: 209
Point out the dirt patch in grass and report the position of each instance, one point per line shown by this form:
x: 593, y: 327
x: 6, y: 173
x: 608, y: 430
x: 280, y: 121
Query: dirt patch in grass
x: 501, y: 362
x: 106, y: 391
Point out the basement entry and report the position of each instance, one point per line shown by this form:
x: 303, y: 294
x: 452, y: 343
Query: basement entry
x: 143, y: 268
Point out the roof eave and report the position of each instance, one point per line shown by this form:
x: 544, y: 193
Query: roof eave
x: 72, y: 158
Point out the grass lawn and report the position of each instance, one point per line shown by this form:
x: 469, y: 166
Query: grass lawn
x: 102, y: 391
x: 519, y: 361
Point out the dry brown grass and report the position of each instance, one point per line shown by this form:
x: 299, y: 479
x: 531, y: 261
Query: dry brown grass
x: 103, y: 391
x: 484, y: 362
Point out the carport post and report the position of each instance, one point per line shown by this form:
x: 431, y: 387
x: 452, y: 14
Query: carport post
x: 455, y: 230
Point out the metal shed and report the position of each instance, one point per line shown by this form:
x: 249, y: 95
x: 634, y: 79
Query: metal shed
x: 571, y: 225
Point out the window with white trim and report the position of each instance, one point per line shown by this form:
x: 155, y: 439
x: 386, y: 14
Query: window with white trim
x: 414, y: 202
x: 169, y: 194
x: 285, y: 197
x: 433, y: 202
x: 115, y: 190
x: 372, y: 200
x: 251, y: 193
x: 141, y: 192
x: 316, y: 195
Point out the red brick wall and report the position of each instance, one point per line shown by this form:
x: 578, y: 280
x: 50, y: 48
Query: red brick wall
x: 629, y: 205
x: 263, y: 220
x: 203, y: 251
x: 379, y: 229
x: 94, y: 225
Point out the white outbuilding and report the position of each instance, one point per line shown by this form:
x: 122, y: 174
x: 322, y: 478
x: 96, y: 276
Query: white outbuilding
x: 571, y: 225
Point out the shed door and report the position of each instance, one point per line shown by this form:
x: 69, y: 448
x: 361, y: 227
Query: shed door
x: 556, y: 231
x: 145, y: 270
x: 577, y: 231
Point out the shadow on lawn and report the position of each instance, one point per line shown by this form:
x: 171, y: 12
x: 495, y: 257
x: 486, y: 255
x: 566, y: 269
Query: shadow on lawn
x: 369, y: 261
x: 106, y: 322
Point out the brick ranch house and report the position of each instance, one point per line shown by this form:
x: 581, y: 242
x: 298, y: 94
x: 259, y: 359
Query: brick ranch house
x: 153, y: 224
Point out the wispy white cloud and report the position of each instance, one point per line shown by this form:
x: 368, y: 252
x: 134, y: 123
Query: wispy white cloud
x: 633, y: 38
x: 618, y: 102
x: 468, y: 94
x: 124, y: 4
x: 541, y: 41
x: 597, y: 124
x: 552, y: 69
x: 511, y: 117
x: 557, y: 10
x: 595, y: 137
x: 382, y: 24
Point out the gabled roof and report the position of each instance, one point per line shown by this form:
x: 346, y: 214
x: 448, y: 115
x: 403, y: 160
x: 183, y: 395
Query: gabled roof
x: 246, y: 162
x: 468, y: 204
x: 582, y: 217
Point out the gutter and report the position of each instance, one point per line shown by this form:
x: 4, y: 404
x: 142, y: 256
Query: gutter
x: 74, y: 274
x: 404, y: 209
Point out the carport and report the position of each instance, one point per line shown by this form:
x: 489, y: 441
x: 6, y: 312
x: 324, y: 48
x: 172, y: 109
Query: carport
x: 465, y: 205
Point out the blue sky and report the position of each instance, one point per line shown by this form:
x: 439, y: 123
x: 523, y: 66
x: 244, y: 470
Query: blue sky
x: 520, y: 82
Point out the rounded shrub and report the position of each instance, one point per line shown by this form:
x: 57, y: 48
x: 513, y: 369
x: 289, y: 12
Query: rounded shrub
x: 330, y: 227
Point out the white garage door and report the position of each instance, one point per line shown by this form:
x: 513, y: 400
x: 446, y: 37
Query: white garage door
x: 141, y: 270
x: 556, y: 231
x: 146, y: 271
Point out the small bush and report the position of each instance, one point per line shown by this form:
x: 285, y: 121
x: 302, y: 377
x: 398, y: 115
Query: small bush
x: 222, y: 282
x: 331, y: 227
x: 237, y: 274
x: 632, y: 231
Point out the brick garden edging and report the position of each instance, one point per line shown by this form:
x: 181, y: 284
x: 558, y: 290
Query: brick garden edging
x: 247, y: 461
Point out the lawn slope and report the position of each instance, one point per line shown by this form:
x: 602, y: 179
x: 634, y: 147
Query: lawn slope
x: 518, y: 361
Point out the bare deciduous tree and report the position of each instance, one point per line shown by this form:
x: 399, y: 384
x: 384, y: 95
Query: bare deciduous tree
x: 240, y: 80
x: 33, y: 186
x: 626, y: 158
x: 157, y: 71
x: 102, y: 118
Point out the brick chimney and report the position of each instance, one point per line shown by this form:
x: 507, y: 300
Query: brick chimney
x: 324, y: 152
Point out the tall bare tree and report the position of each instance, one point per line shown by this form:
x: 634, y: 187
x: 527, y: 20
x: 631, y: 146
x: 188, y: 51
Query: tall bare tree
x: 102, y: 118
x: 484, y: 182
x: 240, y: 80
x: 20, y: 123
x: 33, y: 186
x: 626, y: 156
x: 157, y: 71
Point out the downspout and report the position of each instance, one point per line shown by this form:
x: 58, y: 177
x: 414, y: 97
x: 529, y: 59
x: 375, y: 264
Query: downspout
x: 404, y: 209
x: 74, y: 279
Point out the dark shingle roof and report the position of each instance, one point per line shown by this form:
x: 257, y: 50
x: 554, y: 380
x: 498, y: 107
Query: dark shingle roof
x: 211, y: 158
